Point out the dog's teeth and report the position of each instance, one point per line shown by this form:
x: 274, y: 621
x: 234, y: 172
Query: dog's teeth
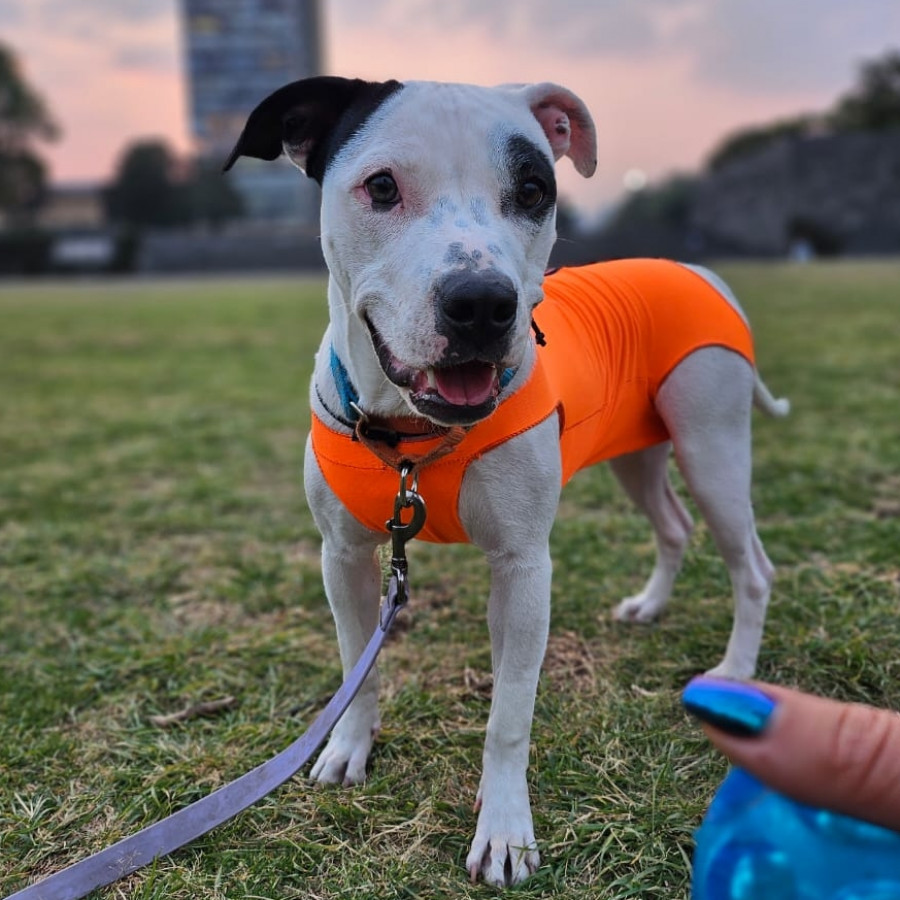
x: 432, y: 381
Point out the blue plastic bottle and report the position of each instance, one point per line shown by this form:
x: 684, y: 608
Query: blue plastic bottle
x: 755, y: 844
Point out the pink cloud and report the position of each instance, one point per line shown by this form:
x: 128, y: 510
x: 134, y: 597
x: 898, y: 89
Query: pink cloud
x: 665, y: 81
x: 105, y: 85
x: 650, y: 112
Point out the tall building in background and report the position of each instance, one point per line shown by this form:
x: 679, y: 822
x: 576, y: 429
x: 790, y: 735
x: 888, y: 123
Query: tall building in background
x: 238, y: 52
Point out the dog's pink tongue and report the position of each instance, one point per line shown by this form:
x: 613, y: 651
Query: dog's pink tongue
x: 467, y: 385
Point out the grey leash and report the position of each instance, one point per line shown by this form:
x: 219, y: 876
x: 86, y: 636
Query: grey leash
x: 161, y: 838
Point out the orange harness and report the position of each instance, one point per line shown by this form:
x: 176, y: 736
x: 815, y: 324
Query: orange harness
x: 614, y: 332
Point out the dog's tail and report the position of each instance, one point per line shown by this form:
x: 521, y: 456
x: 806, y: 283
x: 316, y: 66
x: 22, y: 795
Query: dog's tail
x: 764, y: 401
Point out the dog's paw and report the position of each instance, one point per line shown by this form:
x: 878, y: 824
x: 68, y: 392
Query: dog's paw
x: 343, y: 761
x: 732, y: 671
x: 642, y: 608
x: 504, y: 851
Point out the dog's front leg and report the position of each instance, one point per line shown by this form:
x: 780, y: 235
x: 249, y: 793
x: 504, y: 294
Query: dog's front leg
x: 352, y: 578
x: 509, y: 501
x: 504, y: 850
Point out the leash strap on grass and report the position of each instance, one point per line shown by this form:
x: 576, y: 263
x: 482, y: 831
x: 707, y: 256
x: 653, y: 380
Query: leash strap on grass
x: 180, y: 828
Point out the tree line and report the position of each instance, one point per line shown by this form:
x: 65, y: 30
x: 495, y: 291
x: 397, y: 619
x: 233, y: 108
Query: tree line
x: 872, y: 104
x: 151, y: 188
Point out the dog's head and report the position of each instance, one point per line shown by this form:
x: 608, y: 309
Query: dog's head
x: 438, y: 218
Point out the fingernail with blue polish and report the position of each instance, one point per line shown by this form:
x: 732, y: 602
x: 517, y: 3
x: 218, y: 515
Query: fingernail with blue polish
x: 734, y: 707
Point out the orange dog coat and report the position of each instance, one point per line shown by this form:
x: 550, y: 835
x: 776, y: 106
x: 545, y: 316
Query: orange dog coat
x: 614, y: 331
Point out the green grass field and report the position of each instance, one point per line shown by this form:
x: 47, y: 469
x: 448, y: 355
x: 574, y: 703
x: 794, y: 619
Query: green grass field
x: 156, y: 551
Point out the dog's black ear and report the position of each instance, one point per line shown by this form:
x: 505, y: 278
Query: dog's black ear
x: 310, y: 120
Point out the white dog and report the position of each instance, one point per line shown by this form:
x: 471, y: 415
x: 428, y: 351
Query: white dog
x: 438, y: 217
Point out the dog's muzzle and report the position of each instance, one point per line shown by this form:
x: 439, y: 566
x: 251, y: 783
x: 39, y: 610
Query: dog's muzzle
x: 476, y: 313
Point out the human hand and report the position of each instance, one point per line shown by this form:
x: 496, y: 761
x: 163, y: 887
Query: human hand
x: 839, y: 756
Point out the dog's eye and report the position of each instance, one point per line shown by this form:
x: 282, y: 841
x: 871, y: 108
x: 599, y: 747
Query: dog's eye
x: 382, y: 189
x: 530, y: 193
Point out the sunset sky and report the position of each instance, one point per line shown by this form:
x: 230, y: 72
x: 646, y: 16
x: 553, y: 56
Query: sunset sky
x: 665, y: 79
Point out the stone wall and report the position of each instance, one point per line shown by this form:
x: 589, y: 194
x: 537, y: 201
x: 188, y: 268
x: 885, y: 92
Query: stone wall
x: 244, y: 246
x: 837, y: 193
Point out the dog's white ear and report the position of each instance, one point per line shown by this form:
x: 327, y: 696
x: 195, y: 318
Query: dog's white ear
x: 567, y: 124
x: 310, y: 120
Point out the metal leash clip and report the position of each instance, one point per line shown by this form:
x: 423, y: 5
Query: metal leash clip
x: 401, y: 532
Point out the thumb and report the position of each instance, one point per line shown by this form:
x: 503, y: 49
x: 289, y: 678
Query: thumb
x: 839, y: 756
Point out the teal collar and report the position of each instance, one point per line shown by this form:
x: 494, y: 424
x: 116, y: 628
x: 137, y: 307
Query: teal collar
x: 349, y: 396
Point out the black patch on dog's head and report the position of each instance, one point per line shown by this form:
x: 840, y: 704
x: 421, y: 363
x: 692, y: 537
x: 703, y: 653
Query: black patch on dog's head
x: 526, y: 164
x: 312, y: 119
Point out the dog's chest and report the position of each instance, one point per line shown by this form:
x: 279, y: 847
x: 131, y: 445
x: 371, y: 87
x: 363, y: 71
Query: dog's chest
x: 614, y: 331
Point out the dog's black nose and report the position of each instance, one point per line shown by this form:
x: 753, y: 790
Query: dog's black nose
x: 476, y: 309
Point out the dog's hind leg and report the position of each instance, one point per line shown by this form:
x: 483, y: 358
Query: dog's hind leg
x: 706, y: 404
x: 645, y: 478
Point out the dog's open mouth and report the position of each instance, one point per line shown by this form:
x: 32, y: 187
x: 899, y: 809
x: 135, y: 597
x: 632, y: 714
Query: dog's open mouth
x: 469, y: 384
x: 454, y: 394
